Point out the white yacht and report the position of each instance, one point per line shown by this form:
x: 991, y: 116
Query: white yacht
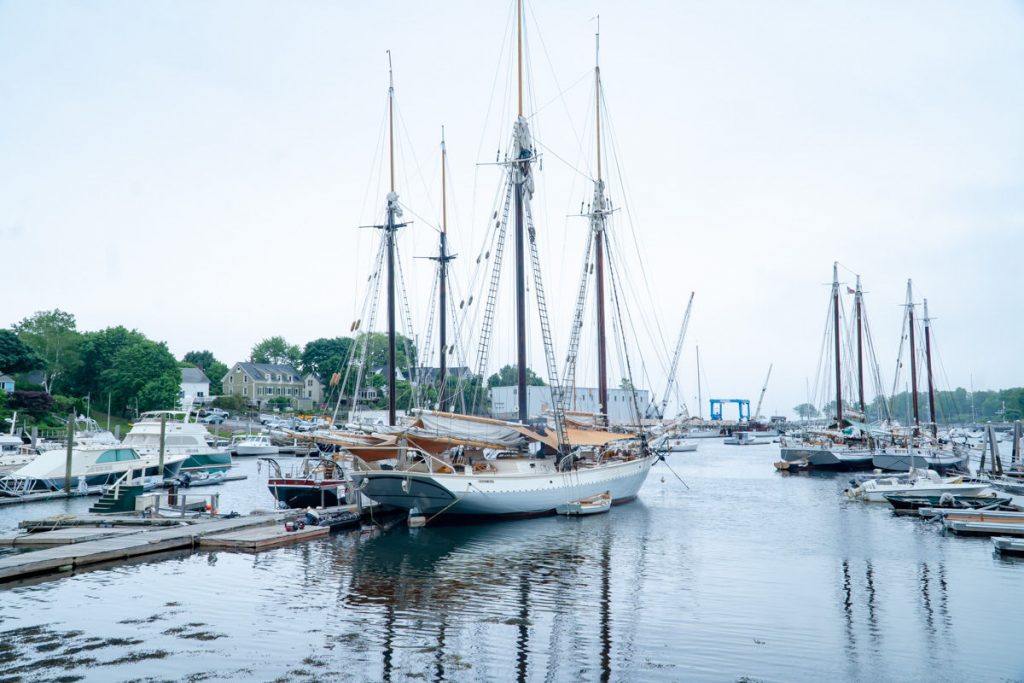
x: 181, y: 437
x: 91, y: 465
x: 253, y: 444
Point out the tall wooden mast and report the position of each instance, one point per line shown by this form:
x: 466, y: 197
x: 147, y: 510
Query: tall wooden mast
x: 913, y: 358
x: 597, y: 219
x: 928, y: 361
x: 393, y: 211
x: 859, y: 297
x: 835, y: 316
x: 520, y: 173
x: 443, y: 257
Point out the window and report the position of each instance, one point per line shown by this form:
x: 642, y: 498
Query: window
x: 117, y: 455
x: 245, y: 378
x: 245, y: 391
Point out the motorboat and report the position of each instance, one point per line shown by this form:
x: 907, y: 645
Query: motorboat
x: 91, y: 465
x: 315, y: 482
x: 919, y: 483
x: 913, y: 502
x: 745, y: 439
x: 253, y: 444
x: 181, y: 436
x: 673, y: 443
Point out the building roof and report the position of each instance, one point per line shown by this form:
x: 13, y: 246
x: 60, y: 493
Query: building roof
x: 194, y: 376
x: 262, y: 371
x: 6, y: 378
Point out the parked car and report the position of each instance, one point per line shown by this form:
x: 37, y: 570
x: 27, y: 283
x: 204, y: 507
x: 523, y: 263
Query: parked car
x: 213, y: 419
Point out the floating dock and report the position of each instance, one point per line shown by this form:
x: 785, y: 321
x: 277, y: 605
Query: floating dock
x: 262, y: 537
x: 68, y: 542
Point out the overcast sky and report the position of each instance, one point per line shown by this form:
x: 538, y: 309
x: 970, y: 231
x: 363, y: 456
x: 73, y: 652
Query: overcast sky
x: 199, y: 170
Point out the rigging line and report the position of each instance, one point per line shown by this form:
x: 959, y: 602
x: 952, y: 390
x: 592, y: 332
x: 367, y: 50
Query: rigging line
x: 554, y: 76
x: 412, y: 151
x: 550, y: 151
x: 425, y: 221
x: 490, y: 105
x: 612, y: 136
x: 378, y: 165
x: 613, y: 270
x: 612, y: 235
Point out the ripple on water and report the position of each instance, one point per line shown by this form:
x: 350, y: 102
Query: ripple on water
x: 745, y: 575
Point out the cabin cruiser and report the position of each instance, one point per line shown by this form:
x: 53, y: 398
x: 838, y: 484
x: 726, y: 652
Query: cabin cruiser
x: 744, y: 439
x: 180, y: 437
x: 91, y: 465
x: 253, y: 444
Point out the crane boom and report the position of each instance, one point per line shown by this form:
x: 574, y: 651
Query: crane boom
x: 757, y: 413
x: 675, y: 359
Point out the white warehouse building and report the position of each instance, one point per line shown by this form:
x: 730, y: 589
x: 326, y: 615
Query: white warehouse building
x: 505, y: 402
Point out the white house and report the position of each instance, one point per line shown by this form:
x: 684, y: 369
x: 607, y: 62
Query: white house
x: 195, y: 387
x: 6, y: 383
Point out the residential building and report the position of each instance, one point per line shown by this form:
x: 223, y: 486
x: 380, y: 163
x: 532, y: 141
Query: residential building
x: 6, y: 383
x: 195, y: 387
x: 258, y: 383
x: 505, y: 402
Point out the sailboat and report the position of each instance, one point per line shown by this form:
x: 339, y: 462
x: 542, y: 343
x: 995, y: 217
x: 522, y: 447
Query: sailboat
x: 845, y: 446
x: 472, y: 467
x: 920, y: 451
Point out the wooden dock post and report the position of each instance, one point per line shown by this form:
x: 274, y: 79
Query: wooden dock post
x: 163, y: 441
x: 71, y: 447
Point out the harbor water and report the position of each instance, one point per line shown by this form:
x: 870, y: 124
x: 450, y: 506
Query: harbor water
x: 738, y: 574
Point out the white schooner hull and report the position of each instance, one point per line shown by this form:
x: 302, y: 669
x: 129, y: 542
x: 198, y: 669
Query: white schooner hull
x: 512, y: 494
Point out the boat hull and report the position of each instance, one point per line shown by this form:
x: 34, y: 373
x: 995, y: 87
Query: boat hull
x: 214, y: 461
x: 904, y: 461
x: 501, y: 495
x: 837, y: 459
x: 303, y: 493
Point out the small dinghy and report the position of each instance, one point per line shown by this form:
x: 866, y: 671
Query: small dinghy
x: 910, y: 502
x: 593, y: 505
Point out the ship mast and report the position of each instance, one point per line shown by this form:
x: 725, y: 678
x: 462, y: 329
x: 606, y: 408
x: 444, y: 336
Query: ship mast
x: 913, y: 358
x: 859, y: 298
x: 521, y: 174
x: 390, y: 228
x: 928, y: 360
x: 597, y: 222
x: 443, y: 257
x: 835, y: 315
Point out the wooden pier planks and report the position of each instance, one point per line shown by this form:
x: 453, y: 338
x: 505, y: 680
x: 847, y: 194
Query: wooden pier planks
x: 260, y: 538
x: 123, y: 546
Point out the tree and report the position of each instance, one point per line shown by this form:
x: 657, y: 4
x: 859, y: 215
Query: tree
x: 626, y: 384
x: 35, y: 403
x: 53, y: 336
x: 15, y: 355
x: 275, y: 351
x: 377, y: 350
x: 324, y: 356
x: 806, y: 411
x: 508, y: 376
x: 213, y: 368
x: 143, y: 374
x: 97, y: 352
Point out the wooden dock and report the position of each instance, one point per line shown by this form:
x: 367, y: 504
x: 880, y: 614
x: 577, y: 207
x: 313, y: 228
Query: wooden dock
x: 262, y: 537
x: 68, y: 542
